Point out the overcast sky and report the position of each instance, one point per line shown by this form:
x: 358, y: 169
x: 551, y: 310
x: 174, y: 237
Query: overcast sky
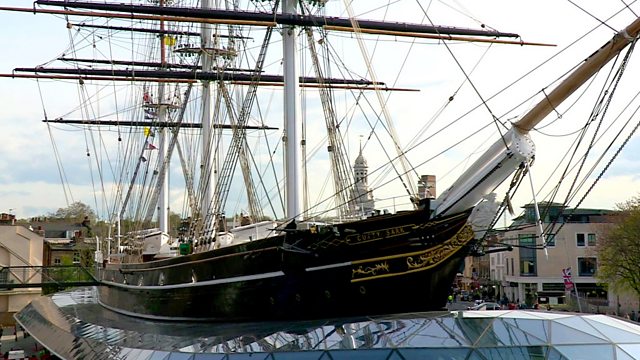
x: 30, y: 183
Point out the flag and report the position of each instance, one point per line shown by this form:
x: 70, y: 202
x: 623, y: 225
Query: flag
x: 566, y: 276
x: 169, y: 40
x: 150, y: 114
x: 150, y: 146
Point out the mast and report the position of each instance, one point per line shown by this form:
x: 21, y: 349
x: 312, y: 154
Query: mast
x: 207, y: 175
x: 163, y: 199
x: 292, y: 127
x: 516, y: 147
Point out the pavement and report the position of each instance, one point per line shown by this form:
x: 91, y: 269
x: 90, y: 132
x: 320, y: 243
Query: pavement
x: 21, y: 340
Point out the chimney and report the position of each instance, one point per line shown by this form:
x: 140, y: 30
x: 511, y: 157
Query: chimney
x: 427, y: 187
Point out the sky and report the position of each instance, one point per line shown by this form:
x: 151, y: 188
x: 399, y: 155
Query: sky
x: 30, y: 180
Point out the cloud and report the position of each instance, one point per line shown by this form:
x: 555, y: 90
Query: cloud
x: 29, y: 173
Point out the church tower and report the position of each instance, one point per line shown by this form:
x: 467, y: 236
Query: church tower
x: 361, y: 200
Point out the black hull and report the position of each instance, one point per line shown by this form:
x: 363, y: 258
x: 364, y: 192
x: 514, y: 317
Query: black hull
x: 382, y: 265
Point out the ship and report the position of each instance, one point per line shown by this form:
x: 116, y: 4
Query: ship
x: 359, y: 262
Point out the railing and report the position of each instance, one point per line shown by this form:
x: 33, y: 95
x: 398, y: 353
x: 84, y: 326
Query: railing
x: 61, y: 276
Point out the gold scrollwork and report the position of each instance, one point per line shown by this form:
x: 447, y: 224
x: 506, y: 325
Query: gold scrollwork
x: 430, y: 258
x: 370, y: 270
x: 411, y: 262
x: 436, y: 255
x: 435, y: 223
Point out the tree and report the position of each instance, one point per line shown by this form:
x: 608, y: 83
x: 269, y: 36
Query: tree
x: 619, y: 249
x: 75, y: 212
x: 174, y: 223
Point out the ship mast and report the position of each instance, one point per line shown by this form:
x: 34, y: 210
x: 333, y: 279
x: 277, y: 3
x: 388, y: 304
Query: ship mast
x: 292, y: 117
x: 207, y: 177
x: 516, y: 147
x: 290, y: 18
x: 163, y: 199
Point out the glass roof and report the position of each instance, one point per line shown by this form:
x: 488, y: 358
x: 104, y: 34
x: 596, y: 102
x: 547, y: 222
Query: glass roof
x: 73, y: 326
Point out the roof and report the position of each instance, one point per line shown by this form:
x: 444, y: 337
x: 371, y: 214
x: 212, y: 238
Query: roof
x: 584, y: 215
x: 542, y: 204
x: 56, y: 230
x: 360, y: 161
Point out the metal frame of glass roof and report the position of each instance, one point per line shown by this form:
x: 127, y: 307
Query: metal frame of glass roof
x: 73, y: 326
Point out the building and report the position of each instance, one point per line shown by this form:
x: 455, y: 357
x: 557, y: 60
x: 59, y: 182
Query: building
x: 427, y: 187
x: 19, y: 247
x: 65, y: 243
x: 533, y: 273
x: 361, y: 197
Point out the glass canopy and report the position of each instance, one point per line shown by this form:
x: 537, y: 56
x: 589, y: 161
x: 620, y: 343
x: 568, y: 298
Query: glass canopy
x: 73, y: 326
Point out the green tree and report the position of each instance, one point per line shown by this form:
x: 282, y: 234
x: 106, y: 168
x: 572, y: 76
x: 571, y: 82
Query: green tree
x: 174, y: 223
x: 75, y: 212
x: 619, y: 249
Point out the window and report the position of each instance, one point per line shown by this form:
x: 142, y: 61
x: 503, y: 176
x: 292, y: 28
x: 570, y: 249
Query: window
x: 4, y: 275
x: 57, y: 261
x: 554, y: 214
x: 587, y: 266
x: 579, y: 239
x: 507, y: 265
x: 528, y: 259
x: 559, y: 287
x: 512, y: 271
x: 76, y: 257
x: 586, y: 239
x: 551, y: 239
x: 591, y: 239
x: 530, y: 214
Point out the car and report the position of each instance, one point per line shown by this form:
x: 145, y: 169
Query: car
x: 485, y: 306
x: 16, y: 354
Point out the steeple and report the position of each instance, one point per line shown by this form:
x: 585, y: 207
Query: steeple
x: 360, y: 169
x: 361, y: 200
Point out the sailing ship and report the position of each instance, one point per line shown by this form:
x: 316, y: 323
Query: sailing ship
x: 360, y: 262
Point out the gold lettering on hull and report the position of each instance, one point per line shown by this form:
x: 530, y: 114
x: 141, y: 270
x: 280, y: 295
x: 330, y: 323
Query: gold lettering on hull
x: 379, y: 234
x: 412, y: 262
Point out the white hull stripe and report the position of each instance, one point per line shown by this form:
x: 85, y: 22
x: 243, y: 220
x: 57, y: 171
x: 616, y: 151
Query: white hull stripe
x: 154, y: 317
x: 199, y: 283
x: 330, y: 266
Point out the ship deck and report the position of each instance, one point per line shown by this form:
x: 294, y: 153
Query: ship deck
x: 73, y: 325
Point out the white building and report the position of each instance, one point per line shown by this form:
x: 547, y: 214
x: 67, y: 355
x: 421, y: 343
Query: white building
x: 19, y: 247
x: 533, y: 274
x: 361, y: 198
